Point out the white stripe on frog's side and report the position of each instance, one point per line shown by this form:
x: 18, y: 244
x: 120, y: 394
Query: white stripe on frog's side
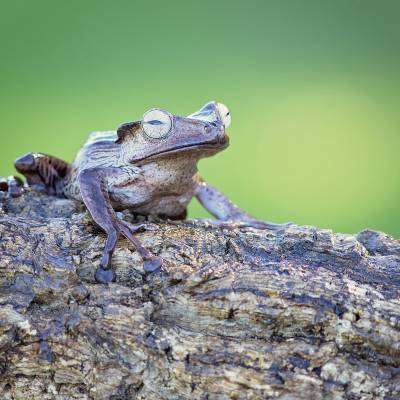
x: 99, y: 151
x: 102, y: 136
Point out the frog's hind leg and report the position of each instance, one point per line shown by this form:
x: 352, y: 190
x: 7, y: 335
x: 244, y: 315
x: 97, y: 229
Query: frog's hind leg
x: 43, y: 171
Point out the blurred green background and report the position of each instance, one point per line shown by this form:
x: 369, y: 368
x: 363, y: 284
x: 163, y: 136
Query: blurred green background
x: 313, y: 87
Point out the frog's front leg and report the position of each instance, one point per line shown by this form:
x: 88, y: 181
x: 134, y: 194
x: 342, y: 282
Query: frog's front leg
x: 92, y: 183
x: 223, y: 209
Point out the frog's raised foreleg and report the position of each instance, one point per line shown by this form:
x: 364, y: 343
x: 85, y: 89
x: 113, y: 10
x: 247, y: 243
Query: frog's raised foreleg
x: 43, y: 172
x: 96, y: 197
x: 223, y: 209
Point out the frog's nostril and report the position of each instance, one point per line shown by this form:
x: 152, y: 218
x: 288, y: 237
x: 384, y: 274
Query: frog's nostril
x: 214, y: 124
x: 207, y: 128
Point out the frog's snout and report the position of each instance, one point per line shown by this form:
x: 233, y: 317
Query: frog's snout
x: 214, y: 125
x: 216, y: 130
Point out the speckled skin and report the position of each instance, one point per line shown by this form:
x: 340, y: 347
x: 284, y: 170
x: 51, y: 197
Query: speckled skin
x: 162, y: 186
x: 128, y: 169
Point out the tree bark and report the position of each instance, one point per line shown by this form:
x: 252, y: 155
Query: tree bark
x: 234, y: 313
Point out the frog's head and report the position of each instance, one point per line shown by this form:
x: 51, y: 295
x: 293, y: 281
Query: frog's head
x: 160, y: 134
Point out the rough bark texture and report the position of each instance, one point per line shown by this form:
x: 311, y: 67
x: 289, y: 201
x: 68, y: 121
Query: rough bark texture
x: 234, y: 314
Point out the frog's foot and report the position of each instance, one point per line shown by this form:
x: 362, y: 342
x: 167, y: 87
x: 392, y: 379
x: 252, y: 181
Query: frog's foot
x: 104, y: 274
x: 151, y: 262
x: 13, y: 185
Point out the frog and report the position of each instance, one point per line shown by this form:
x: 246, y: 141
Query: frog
x: 147, y: 166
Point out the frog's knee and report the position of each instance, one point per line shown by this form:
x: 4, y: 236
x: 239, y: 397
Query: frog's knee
x: 25, y: 163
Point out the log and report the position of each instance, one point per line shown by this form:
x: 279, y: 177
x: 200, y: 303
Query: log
x: 234, y: 313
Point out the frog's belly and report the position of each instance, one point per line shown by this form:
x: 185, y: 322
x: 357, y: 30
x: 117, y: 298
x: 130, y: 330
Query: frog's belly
x: 168, y: 204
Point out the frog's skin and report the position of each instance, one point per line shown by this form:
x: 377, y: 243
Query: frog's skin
x: 148, y: 166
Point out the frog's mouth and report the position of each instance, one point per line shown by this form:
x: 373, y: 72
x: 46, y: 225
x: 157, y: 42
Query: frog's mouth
x: 208, y: 148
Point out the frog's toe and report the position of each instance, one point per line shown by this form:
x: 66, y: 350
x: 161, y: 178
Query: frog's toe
x: 104, y: 276
x: 152, y: 264
x: 15, y: 186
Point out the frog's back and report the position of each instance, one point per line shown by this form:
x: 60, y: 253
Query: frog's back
x: 101, y: 137
x: 100, y: 150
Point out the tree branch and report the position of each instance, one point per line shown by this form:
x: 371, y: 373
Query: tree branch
x: 234, y: 314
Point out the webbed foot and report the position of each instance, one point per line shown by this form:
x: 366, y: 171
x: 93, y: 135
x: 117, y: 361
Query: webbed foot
x: 152, y: 264
x: 104, y: 275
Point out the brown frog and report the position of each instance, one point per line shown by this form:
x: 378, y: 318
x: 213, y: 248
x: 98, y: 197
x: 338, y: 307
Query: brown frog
x: 148, y: 166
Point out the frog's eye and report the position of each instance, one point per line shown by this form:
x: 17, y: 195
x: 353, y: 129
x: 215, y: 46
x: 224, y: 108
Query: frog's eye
x: 224, y: 114
x: 157, y: 123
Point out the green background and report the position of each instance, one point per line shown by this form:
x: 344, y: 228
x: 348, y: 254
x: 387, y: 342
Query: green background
x: 313, y: 87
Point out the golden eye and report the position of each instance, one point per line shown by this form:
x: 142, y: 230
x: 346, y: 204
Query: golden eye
x: 156, y: 123
x: 224, y: 114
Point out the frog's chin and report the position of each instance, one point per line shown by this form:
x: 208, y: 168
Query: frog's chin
x: 198, y: 150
